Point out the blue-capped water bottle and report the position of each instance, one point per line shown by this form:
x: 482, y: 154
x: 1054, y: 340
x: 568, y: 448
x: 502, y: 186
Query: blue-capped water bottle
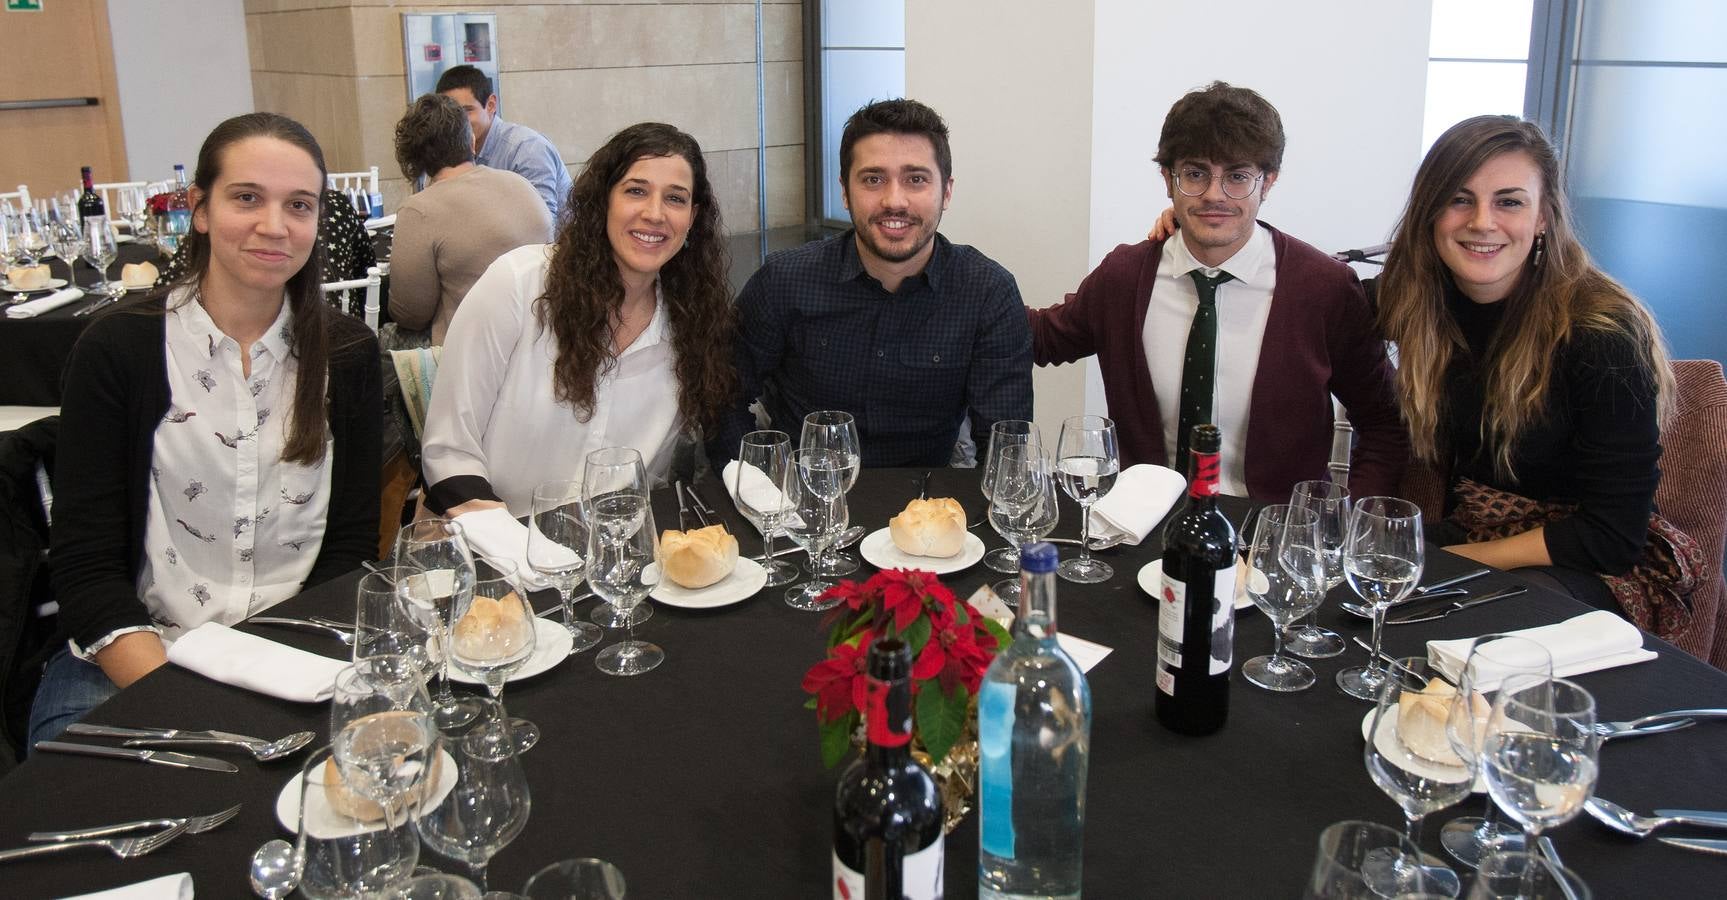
x: 1034, y: 737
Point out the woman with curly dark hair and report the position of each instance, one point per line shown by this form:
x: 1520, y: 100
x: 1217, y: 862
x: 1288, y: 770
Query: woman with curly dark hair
x: 619, y: 334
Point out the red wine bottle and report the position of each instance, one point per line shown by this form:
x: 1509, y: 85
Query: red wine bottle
x: 1196, y: 612
x: 90, y: 203
x: 887, y: 811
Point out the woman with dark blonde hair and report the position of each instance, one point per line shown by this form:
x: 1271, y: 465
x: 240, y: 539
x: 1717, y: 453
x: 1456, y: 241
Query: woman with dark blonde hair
x: 619, y: 334
x: 1528, y: 375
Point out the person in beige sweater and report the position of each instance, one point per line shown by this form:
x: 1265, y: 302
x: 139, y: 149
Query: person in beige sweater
x: 466, y: 216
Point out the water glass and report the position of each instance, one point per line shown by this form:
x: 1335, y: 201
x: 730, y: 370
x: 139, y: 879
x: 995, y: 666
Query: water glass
x: 29, y: 238
x: 388, y: 623
x: 816, y: 491
x: 1285, y: 578
x: 759, y: 484
x: 435, y: 886
x: 557, y: 544
x: 1541, y: 751
x: 1350, y: 851
x: 1525, y: 876
x: 489, y: 804
x: 1022, y: 507
x: 1330, y: 501
x: 1002, y: 435
x: 100, y: 249
x: 1491, y: 658
x: 576, y: 879
x: 1413, y: 762
x: 623, y: 555
x: 494, y: 635
x: 1087, y: 462
x: 1382, y: 560
x: 443, y: 577
x: 615, y: 471
x: 837, y: 431
x: 344, y: 853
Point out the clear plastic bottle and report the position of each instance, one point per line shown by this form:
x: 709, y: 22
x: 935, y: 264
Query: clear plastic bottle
x: 1034, y: 737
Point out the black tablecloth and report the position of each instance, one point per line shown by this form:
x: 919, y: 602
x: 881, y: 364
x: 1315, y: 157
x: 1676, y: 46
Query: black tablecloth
x: 702, y: 778
x: 33, y: 351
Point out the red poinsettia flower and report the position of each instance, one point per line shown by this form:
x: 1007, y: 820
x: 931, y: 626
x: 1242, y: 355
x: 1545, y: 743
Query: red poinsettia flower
x: 840, y: 680
x: 955, y: 653
x: 904, y: 591
x: 855, y: 595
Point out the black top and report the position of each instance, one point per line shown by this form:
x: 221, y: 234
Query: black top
x: 817, y: 332
x: 115, y: 395
x: 1597, y: 445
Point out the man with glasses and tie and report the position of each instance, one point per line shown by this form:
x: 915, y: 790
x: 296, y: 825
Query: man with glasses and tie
x: 1231, y: 322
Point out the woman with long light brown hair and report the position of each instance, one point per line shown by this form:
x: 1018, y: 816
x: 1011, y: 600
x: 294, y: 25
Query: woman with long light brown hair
x: 1528, y: 375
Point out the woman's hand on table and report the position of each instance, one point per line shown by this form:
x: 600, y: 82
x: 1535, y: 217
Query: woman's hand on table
x: 132, y: 656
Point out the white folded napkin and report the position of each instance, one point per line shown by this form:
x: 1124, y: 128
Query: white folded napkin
x: 45, y: 304
x: 496, y: 535
x: 1588, y: 643
x: 761, y: 490
x: 1085, y: 654
x: 1141, y: 497
x: 218, y: 652
x: 168, y: 887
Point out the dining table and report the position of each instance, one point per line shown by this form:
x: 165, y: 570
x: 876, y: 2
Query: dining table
x: 703, y: 777
x: 33, y: 351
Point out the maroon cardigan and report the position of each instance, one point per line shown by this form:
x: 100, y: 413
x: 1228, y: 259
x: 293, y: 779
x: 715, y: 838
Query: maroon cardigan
x: 1319, y: 340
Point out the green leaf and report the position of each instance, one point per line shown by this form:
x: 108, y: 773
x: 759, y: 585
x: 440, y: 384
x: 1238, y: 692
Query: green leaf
x: 1003, y: 638
x: 810, y: 703
x: 837, y: 739
x: 940, y: 717
x: 916, y: 635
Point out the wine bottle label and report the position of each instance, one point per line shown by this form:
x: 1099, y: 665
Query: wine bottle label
x: 922, y: 880
x: 1172, y: 625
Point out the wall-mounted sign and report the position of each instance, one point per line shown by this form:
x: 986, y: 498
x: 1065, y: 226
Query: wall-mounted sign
x: 23, y: 5
x: 434, y: 53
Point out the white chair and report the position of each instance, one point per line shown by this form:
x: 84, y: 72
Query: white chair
x: 21, y: 197
x: 373, y: 280
x: 107, y: 192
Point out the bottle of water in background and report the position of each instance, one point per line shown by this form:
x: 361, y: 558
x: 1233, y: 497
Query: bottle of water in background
x: 1034, y: 736
x: 179, y: 213
x: 374, y: 197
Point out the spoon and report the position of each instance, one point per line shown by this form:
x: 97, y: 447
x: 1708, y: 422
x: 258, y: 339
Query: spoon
x: 1625, y: 821
x: 262, y: 751
x: 275, y: 870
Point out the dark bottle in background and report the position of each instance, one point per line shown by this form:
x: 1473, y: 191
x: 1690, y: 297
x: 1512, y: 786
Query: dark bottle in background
x: 887, y: 811
x: 90, y: 203
x: 1196, y: 612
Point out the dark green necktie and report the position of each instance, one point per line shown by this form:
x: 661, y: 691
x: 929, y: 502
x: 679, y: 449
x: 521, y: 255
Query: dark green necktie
x: 1199, y: 366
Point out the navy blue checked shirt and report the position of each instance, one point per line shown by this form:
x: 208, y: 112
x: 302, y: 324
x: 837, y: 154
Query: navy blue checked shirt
x: 816, y: 331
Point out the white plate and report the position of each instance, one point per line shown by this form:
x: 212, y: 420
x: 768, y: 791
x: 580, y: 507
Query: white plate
x: 552, y: 643
x: 53, y: 284
x: 327, y: 824
x: 124, y: 238
x: 136, y: 289
x: 879, y: 549
x: 1151, y: 582
x: 746, y: 578
x: 1390, y: 733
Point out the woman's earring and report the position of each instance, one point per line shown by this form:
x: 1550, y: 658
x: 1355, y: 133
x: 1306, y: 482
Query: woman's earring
x: 1540, y: 245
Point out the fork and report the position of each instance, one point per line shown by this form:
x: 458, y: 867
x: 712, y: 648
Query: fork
x: 194, y: 825
x: 1638, y: 727
x: 124, y: 848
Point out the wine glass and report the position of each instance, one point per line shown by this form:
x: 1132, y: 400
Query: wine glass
x: 343, y: 850
x: 1003, y: 434
x: 442, y: 578
x: 1330, y: 501
x: 382, y: 737
x: 436, y: 886
x: 135, y: 210
x: 29, y: 238
x: 1022, y: 507
x: 66, y: 237
x: 489, y: 804
x: 1349, y: 849
x: 1382, y: 560
x: 816, y: 491
x: 609, y: 470
x: 576, y: 879
x: 1087, y: 462
x: 837, y: 431
x: 1470, y: 838
x: 623, y: 561
x: 764, y: 463
x: 1507, y: 875
x: 1541, y: 750
x: 557, y: 540
x: 100, y: 250
x: 1412, y: 761
x: 1286, y: 579
x: 493, y: 637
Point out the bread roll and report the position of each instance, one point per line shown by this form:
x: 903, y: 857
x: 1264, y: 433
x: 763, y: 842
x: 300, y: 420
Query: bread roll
x: 934, y: 527
x: 27, y: 278
x: 1421, y: 718
x: 348, y: 802
x: 492, y: 629
x: 699, y: 557
x: 138, y: 275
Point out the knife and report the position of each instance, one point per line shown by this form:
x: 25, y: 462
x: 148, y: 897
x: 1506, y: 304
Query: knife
x: 85, y: 728
x: 1436, y: 615
x: 1427, y: 590
x: 1703, y: 844
x: 1704, y: 817
x: 159, y: 757
x: 683, y: 506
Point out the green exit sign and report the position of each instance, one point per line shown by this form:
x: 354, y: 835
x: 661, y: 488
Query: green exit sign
x: 23, y: 5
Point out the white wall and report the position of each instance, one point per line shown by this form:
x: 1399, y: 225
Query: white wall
x: 1056, y: 109
x: 182, y: 67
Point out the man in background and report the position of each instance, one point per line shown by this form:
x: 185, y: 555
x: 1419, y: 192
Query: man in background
x: 506, y: 145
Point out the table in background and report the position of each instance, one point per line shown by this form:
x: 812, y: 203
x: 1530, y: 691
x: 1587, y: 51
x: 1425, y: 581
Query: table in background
x: 33, y: 351
x: 703, y: 778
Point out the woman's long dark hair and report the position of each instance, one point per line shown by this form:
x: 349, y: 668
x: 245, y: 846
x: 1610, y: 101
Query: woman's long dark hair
x: 585, y: 292
x: 310, y: 339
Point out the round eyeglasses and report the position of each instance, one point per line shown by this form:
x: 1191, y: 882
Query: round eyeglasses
x: 1238, y: 184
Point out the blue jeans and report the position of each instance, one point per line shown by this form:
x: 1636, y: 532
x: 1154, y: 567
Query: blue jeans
x: 70, y: 688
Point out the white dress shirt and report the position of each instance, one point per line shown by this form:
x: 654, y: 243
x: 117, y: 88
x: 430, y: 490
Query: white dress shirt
x: 493, y: 413
x: 1242, y: 308
x: 230, y: 528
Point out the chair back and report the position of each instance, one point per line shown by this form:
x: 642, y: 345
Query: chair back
x: 371, y: 283
x: 352, y: 184
x: 20, y: 198
x: 107, y: 191
x: 1693, y: 492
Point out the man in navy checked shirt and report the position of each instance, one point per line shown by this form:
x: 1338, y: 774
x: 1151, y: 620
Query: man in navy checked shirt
x: 890, y: 321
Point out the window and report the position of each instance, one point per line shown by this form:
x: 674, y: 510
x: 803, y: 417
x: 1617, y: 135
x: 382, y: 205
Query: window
x: 1478, y: 61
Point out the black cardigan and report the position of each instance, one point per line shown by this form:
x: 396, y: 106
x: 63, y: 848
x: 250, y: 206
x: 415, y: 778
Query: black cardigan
x: 116, y: 393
